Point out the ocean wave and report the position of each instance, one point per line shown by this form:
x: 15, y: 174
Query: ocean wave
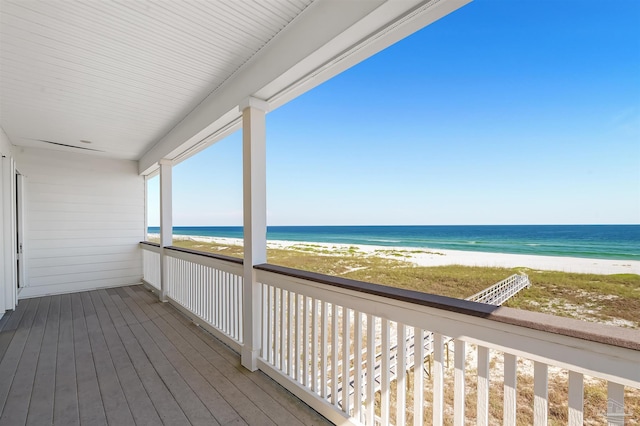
x: 383, y: 241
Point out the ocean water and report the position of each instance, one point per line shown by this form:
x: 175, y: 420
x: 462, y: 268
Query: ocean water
x: 587, y: 241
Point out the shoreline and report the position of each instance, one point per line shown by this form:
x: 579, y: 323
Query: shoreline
x: 436, y: 257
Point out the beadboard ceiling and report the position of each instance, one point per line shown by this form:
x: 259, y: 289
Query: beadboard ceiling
x: 124, y: 78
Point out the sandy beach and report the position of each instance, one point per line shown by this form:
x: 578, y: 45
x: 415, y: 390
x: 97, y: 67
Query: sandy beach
x: 438, y: 257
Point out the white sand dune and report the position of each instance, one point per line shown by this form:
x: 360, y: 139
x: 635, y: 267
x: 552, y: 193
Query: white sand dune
x: 438, y: 257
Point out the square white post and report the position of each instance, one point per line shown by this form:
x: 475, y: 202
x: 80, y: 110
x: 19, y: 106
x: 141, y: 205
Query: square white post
x: 166, y: 223
x: 255, y: 223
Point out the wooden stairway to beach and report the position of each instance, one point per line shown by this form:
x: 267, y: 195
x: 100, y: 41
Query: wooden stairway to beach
x: 496, y: 295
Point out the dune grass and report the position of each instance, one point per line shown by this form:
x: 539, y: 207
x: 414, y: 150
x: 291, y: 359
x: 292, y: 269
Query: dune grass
x: 611, y: 299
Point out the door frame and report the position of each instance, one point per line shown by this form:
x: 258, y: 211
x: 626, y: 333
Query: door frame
x: 9, y: 240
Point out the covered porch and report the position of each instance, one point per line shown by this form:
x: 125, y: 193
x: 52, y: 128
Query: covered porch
x: 99, y: 97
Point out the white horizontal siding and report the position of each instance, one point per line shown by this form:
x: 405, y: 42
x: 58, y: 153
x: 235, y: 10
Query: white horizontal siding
x: 73, y: 252
x: 84, y: 220
x: 63, y: 261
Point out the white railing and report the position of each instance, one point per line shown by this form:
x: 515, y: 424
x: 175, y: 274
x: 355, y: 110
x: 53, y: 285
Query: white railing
x: 312, y: 325
x: 206, y: 287
x: 321, y: 334
x: 151, y: 265
x: 499, y: 293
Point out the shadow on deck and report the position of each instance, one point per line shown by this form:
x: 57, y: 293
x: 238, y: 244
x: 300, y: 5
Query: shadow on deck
x: 120, y: 357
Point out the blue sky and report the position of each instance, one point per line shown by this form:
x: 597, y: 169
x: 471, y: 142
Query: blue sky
x: 503, y: 112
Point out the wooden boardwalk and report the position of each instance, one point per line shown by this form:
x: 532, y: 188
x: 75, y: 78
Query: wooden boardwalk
x: 120, y: 357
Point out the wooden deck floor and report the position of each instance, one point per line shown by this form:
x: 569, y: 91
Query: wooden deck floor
x: 120, y: 357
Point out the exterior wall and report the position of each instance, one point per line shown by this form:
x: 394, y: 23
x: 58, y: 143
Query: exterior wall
x: 84, y: 218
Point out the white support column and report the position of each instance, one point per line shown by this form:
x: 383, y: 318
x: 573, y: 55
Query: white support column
x: 166, y: 222
x: 255, y: 222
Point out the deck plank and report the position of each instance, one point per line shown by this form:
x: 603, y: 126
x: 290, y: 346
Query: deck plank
x: 232, y: 371
x: 65, y: 410
x: 234, y: 396
x: 194, y: 409
x: 5, y: 319
x: 42, y: 396
x: 164, y: 402
x: 11, y: 358
x: 16, y: 316
x: 5, y: 340
x: 17, y: 404
x: 277, y: 402
x: 121, y: 357
x: 209, y: 395
x: 140, y: 404
x: 230, y: 367
x: 10, y: 324
x: 115, y: 404
x: 90, y: 403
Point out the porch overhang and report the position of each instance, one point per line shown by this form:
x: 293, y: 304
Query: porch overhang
x: 328, y: 38
x: 153, y: 81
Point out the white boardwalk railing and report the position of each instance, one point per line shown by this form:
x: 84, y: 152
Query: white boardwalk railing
x: 496, y: 295
x: 499, y: 293
x: 315, y: 327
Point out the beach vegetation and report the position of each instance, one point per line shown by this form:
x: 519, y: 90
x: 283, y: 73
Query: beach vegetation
x: 609, y: 299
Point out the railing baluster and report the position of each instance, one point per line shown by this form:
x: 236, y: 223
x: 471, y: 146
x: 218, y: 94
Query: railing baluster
x: 240, y: 307
x: 418, y: 377
x: 510, y: 379
x: 305, y: 347
x: 615, y: 404
x: 314, y: 345
x: 576, y: 398
x: 323, y: 349
x: 234, y: 284
x: 438, y: 379
x: 334, y: 354
x: 265, y: 321
x: 540, y: 393
x: 281, y: 336
x: 346, y: 344
x: 384, y: 373
x: 209, y: 295
x: 233, y: 304
x: 483, y: 387
x: 401, y: 370
x: 286, y: 335
x: 295, y: 365
x: 236, y: 304
x: 460, y: 357
x: 201, y: 289
x: 225, y: 302
x: 357, y: 366
x: 218, y: 302
x: 229, y: 282
x: 371, y: 350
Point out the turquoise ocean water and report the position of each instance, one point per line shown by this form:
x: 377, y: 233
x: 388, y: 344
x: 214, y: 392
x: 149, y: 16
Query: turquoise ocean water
x: 588, y: 241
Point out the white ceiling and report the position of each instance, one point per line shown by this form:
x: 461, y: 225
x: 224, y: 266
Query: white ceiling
x: 145, y: 80
x: 121, y: 75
